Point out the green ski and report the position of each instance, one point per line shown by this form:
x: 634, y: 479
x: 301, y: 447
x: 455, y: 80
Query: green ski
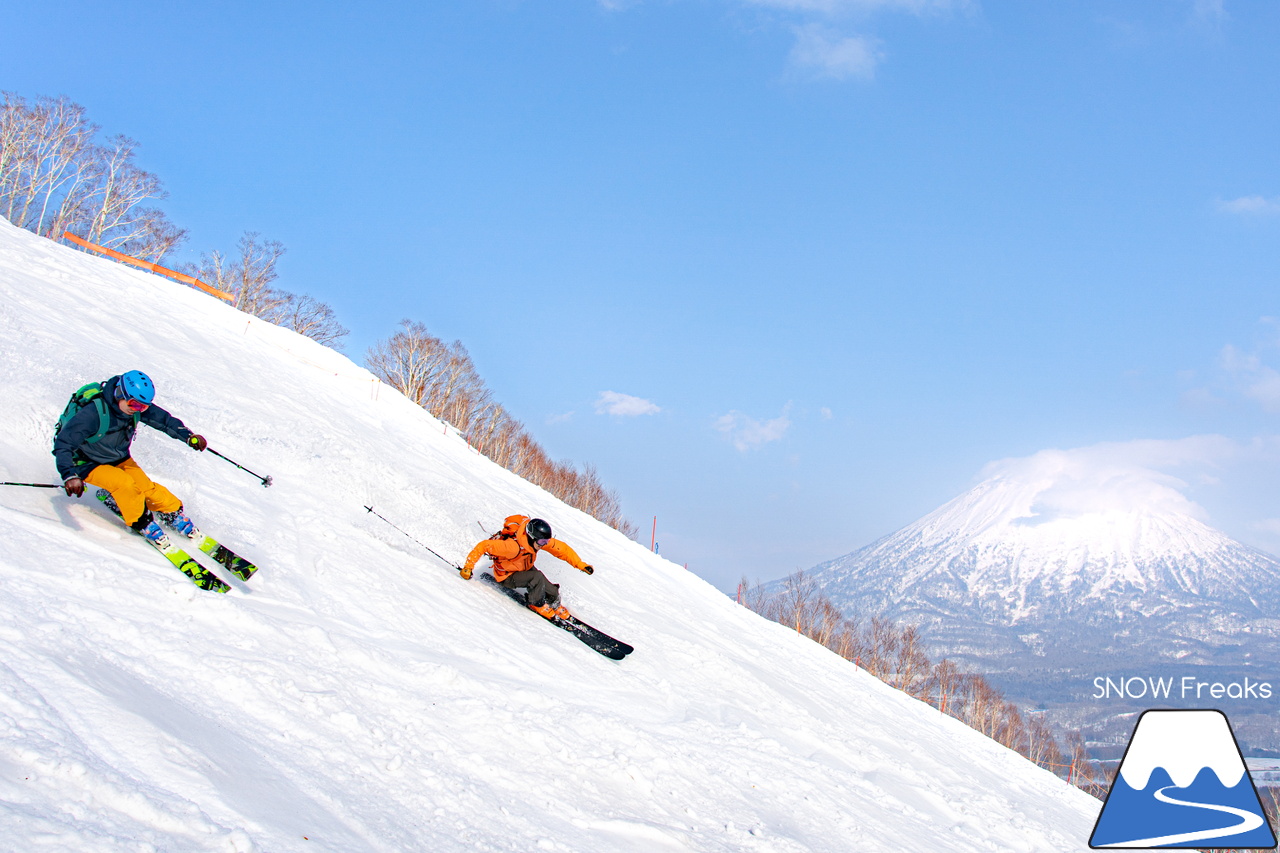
x: 224, y: 556
x: 201, y: 576
x: 184, y: 562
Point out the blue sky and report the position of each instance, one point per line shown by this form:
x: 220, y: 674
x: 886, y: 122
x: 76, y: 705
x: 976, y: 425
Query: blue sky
x: 789, y: 273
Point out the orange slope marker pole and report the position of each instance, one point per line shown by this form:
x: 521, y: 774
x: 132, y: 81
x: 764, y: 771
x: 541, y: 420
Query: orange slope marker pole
x: 147, y: 265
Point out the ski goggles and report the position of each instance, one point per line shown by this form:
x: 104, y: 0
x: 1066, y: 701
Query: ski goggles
x: 541, y: 543
x: 130, y: 403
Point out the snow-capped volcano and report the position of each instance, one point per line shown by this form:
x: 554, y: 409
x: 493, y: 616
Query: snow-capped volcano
x: 1067, y: 565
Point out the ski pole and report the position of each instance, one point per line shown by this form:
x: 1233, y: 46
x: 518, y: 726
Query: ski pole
x: 34, y: 485
x: 266, y: 481
x: 459, y: 568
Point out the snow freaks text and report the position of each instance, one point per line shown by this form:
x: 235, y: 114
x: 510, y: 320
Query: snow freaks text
x: 1173, y: 687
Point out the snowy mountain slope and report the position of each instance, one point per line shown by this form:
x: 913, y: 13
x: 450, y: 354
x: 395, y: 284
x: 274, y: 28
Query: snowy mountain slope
x: 1069, y: 565
x: 1037, y: 542
x: 359, y: 696
x: 990, y: 549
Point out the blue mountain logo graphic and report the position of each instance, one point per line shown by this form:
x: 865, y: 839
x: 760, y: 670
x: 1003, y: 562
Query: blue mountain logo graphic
x: 1183, y: 783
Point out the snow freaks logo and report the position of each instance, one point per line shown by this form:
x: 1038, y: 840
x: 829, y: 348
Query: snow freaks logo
x: 1182, y: 782
x: 1187, y: 687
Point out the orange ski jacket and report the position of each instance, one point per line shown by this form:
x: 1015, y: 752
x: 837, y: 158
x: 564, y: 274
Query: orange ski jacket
x: 511, y: 551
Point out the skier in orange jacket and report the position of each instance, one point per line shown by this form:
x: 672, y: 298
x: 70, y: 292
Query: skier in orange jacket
x: 514, y: 550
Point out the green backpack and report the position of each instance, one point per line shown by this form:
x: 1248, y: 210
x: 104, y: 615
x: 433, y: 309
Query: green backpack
x: 89, y: 395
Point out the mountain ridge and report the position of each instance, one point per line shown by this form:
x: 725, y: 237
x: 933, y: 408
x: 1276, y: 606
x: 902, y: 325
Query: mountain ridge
x: 1065, y: 566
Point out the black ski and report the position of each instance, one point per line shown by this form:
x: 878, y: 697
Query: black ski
x: 590, y: 636
x: 608, y: 646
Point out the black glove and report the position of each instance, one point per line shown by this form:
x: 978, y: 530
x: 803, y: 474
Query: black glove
x: 588, y: 570
x: 74, y: 487
x: 198, y: 442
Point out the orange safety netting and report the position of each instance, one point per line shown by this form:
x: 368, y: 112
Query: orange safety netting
x: 147, y: 265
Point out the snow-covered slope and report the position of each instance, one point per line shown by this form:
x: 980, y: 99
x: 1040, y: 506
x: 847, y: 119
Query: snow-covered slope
x: 357, y: 695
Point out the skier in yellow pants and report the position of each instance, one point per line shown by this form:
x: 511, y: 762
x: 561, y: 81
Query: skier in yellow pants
x: 93, y: 442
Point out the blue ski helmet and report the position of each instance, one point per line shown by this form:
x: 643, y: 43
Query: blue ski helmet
x: 136, y: 385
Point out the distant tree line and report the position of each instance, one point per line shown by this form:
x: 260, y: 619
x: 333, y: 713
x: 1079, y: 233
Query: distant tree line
x: 441, y: 378
x: 895, y: 654
x: 55, y: 177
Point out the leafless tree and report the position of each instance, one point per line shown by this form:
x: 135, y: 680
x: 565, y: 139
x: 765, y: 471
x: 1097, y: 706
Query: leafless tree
x: 307, y: 316
x: 911, y: 665
x: 54, y: 178
x: 1042, y: 744
x: 442, y: 378
x: 946, y: 684
x: 247, y: 276
x: 796, y: 602
x: 408, y: 361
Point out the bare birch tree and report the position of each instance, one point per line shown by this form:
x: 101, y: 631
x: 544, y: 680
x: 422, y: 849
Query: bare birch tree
x: 443, y: 379
x: 54, y: 178
x: 307, y: 316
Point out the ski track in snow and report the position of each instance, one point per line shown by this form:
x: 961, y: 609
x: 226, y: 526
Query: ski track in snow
x: 357, y: 695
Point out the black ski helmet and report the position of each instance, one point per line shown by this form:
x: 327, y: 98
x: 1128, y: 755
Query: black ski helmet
x: 537, y: 531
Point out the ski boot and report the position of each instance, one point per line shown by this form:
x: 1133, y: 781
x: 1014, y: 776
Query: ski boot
x: 180, y: 522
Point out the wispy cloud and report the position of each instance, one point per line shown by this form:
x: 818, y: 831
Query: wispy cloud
x: 1257, y: 380
x: 1250, y: 372
x: 830, y: 38
x: 1209, y: 12
x: 1116, y: 476
x: 826, y: 47
x: 747, y: 433
x: 823, y: 52
x: 1232, y: 476
x: 624, y: 405
x: 1250, y: 205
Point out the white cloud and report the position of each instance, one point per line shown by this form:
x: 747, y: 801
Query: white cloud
x: 825, y: 47
x: 747, y: 433
x: 1252, y: 205
x: 825, y: 53
x: 1211, y: 12
x: 1254, y: 378
x: 624, y: 405
x: 1117, y: 476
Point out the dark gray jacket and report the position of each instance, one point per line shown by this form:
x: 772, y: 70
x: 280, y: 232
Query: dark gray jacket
x: 76, y: 458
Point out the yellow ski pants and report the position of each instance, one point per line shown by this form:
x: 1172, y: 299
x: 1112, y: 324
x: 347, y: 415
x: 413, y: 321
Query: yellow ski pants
x: 133, y: 490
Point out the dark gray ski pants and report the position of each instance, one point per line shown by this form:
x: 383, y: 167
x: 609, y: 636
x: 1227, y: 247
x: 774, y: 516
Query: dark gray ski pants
x: 541, y: 590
